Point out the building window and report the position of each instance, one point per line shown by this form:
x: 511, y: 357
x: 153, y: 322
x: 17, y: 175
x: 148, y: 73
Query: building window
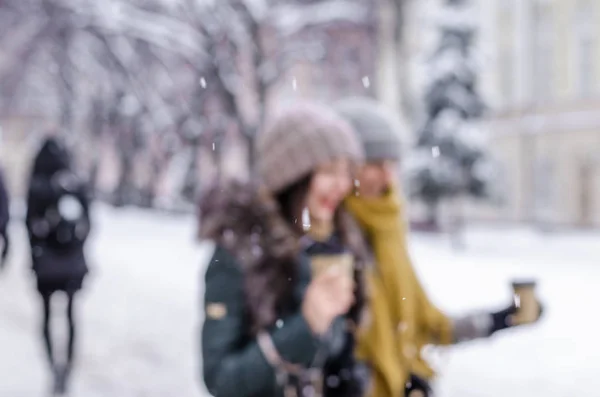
x: 506, y: 54
x: 543, y: 55
x: 544, y: 194
x: 585, y: 48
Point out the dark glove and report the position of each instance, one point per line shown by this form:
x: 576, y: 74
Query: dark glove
x: 344, y: 375
x: 336, y: 337
x: 503, y: 319
x: 417, y: 387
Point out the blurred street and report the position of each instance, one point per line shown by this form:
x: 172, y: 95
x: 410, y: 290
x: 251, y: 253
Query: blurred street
x: 140, y: 313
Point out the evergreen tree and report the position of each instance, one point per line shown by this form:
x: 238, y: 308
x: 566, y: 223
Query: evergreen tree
x: 450, y: 157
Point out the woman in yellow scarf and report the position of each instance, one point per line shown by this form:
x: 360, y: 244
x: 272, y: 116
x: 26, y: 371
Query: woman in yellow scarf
x: 403, y: 319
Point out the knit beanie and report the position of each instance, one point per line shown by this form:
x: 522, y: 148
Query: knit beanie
x: 378, y: 129
x: 299, y: 140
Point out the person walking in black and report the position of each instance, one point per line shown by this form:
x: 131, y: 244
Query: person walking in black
x: 4, y: 218
x: 58, y: 224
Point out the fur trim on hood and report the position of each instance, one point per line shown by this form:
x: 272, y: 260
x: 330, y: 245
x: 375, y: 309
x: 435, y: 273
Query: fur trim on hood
x: 246, y: 221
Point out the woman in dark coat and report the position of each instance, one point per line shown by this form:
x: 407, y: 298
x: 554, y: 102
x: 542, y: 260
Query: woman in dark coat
x: 284, y: 291
x: 4, y: 218
x: 58, y: 224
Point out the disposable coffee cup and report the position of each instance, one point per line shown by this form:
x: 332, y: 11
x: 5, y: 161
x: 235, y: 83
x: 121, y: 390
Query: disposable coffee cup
x: 528, y: 307
x: 324, y: 262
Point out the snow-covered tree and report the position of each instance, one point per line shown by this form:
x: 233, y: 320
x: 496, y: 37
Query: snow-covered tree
x: 140, y: 72
x: 451, y: 158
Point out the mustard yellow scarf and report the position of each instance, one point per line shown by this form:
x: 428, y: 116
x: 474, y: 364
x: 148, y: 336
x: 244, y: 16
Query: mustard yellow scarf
x: 403, y: 319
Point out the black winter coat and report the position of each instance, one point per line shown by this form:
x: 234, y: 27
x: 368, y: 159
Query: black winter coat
x: 4, y: 205
x: 58, y: 221
x: 4, y: 218
x: 233, y: 363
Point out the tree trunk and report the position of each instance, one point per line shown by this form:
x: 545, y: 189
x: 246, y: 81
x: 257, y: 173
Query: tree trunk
x: 457, y: 229
x: 65, y: 81
x: 250, y: 136
x: 190, y: 190
x: 93, y: 177
x: 432, y: 223
x: 123, y: 192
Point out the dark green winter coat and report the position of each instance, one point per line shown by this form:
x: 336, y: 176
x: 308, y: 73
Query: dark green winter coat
x: 239, y: 291
x: 233, y: 363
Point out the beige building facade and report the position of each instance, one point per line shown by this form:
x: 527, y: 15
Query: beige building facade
x: 544, y: 87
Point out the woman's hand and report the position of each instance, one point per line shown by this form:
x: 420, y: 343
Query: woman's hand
x: 328, y: 296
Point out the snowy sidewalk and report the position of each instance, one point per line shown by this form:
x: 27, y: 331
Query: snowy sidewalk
x: 139, y: 313
x: 558, y: 357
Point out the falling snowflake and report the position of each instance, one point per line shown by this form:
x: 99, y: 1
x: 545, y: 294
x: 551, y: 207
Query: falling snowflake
x: 308, y: 391
x: 356, y: 183
x: 40, y: 228
x: 294, y: 84
x: 213, y: 146
x: 366, y: 82
x: 257, y: 251
x: 402, y: 326
x: 305, y: 219
x: 229, y: 236
x: 202, y: 82
x: 333, y: 381
x: 70, y: 208
x: 279, y: 323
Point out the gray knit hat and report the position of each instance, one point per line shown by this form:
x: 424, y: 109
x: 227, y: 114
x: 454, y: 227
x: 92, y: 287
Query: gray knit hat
x: 378, y: 129
x: 299, y: 140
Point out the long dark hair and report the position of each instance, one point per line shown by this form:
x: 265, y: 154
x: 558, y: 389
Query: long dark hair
x: 247, y: 222
x: 292, y: 202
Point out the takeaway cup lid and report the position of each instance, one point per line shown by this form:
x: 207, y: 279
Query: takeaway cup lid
x: 525, y: 283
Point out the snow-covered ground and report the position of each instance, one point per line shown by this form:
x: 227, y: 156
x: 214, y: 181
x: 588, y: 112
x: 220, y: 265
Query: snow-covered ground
x: 140, y: 312
x: 560, y: 356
